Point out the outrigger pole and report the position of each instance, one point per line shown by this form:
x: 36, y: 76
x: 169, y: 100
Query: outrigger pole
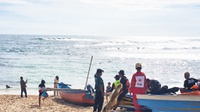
x: 88, y: 72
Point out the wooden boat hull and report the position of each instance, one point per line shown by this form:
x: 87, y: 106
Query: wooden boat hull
x: 80, y: 97
x: 170, y: 103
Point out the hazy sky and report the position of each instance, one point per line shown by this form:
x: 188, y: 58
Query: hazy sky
x: 101, y: 17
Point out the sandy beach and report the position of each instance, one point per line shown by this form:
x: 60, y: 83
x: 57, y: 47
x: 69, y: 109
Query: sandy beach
x: 14, y: 103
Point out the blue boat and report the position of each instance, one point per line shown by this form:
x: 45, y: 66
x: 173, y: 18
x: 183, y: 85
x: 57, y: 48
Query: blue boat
x: 170, y: 103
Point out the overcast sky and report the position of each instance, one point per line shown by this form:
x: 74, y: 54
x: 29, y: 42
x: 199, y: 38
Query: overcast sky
x: 101, y: 17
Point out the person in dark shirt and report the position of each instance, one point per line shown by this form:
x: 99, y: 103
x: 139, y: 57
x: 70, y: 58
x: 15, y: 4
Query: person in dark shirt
x: 153, y: 86
x: 42, y: 91
x: 99, y: 93
x: 23, y: 87
x: 124, y: 81
x: 188, y: 83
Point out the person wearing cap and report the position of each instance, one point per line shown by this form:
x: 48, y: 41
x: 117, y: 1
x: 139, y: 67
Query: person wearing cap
x: 138, y: 85
x: 124, y: 81
x: 188, y: 83
x: 99, y: 93
x: 114, y: 85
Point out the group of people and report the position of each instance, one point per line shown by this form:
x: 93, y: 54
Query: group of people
x: 41, y: 88
x: 99, y: 87
x: 139, y: 85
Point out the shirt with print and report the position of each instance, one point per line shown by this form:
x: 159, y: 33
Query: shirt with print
x: 138, y: 83
x: 188, y: 83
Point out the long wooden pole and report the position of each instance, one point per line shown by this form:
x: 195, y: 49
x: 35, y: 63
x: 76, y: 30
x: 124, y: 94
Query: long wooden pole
x: 88, y: 72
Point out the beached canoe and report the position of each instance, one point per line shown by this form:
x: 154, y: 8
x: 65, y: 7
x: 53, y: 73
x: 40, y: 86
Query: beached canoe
x: 170, y: 103
x: 76, y: 96
x: 80, y: 97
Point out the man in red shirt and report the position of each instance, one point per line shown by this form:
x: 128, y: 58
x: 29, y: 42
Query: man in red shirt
x: 138, y: 85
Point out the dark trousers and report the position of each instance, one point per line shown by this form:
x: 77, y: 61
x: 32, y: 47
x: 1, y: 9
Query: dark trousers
x: 23, y: 90
x: 98, y: 101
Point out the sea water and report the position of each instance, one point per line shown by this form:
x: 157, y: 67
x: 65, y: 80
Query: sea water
x: 37, y: 57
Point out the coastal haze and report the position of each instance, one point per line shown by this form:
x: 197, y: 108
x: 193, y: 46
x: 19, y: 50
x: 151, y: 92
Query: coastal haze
x: 37, y: 57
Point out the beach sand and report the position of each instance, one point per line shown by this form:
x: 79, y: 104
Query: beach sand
x: 14, y: 103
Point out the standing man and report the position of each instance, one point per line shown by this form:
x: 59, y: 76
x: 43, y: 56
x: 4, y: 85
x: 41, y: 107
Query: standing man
x: 138, y: 85
x: 23, y: 87
x: 124, y: 81
x: 99, y: 86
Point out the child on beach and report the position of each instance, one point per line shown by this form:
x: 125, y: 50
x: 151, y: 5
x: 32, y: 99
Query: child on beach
x: 42, y: 91
x: 56, y: 81
x: 108, y: 90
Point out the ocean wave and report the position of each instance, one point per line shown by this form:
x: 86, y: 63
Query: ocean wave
x: 61, y: 39
x: 15, y: 50
x: 38, y: 38
x: 193, y: 40
x: 183, y: 48
x: 1, y: 64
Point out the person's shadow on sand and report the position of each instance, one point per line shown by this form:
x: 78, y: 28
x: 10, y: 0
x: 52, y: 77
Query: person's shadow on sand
x: 60, y: 101
x: 35, y: 106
